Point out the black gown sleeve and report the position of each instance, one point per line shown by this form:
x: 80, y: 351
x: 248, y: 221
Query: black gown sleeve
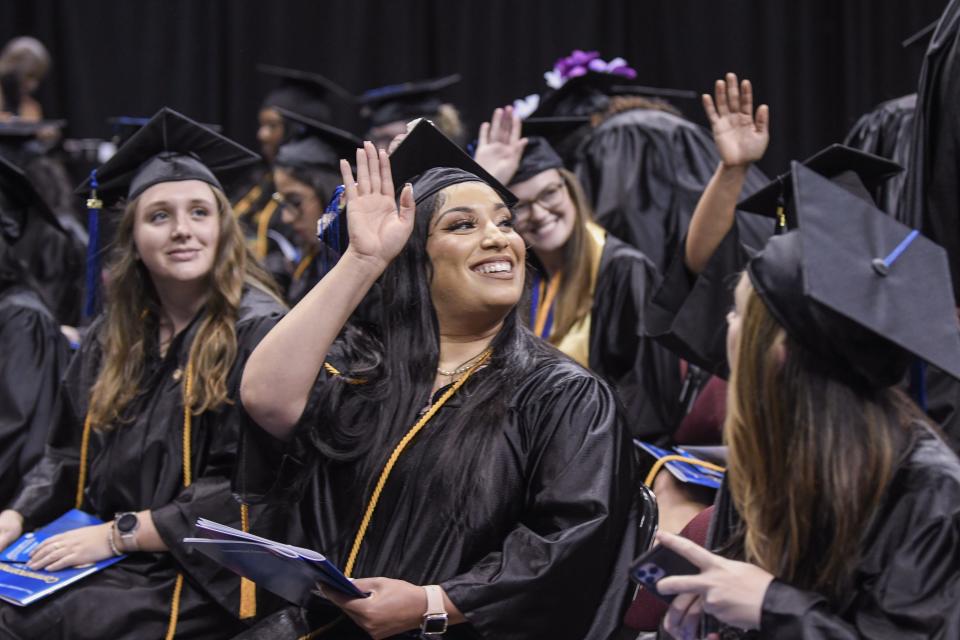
x: 49, y: 488
x: 687, y: 313
x: 562, y: 562
x: 645, y: 375
x: 909, y: 573
x: 34, y: 360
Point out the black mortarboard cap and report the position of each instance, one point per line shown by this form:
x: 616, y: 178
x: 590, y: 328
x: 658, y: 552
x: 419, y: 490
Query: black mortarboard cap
x: 538, y: 156
x: 432, y: 161
x: 856, y: 287
x: 315, y: 144
x: 19, y: 200
x: 123, y: 127
x: 304, y: 92
x: 404, y: 101
x: 20, y: 140
x: 856, y: 171
x: 589, y: 93
x: 170, y: 147
x: 553, y: 128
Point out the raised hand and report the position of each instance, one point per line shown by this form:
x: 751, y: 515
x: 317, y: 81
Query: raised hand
x: 499, y: 146
x: 740, y: 135
x: 378, y: 228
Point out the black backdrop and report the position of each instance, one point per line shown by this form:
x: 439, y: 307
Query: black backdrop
x: 818, y: 63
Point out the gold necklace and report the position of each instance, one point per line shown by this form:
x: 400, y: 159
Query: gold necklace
x: 463, y: 367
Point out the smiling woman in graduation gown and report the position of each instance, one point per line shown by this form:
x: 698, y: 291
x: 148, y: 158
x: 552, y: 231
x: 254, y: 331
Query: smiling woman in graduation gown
x: 516, y: 496
x: 162, y: 462
x: 590, y: 289
x: 35, y: 353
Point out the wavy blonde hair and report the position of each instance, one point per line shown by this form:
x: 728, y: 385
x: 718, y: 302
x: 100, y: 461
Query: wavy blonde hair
x: 132, y: 309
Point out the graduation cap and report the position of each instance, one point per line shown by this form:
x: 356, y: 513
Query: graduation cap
x: 538, y: 156
x: 20, y: 140
x: 404, y: 101
x: 170, y: 147
x: 303, y: 92
x: 432, y: 161
x: 19, y: 200
x: 315, y: 144
x: 122, y: 127
x: 589, y: 93
x: 858, y: 172
x: 856, y: 287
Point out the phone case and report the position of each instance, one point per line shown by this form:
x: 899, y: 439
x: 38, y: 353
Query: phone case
x: 658, y: 563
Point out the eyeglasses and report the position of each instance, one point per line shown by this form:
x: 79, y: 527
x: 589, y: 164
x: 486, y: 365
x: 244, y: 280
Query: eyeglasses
x: 550, y: 197
x: 293, y: 202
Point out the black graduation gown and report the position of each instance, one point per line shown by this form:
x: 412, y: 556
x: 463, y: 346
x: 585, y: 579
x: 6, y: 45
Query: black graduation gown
x: 138, y: 466
x: 645, y: 375
x: 35, y: 356
x: 908, y: 574
x: 55, y: 261
x: 932, y: 189
x: 643, y: 171
x: 253, y: 200
x: 540, y: 553
x: 887, y: 131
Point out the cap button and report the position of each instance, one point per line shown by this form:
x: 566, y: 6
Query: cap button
x: 880, y: 267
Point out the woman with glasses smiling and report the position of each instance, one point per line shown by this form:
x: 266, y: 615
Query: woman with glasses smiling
x: 589, y: 288
x: 305, y: 173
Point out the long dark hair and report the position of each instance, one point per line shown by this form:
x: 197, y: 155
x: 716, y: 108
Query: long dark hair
x: 398, y: 359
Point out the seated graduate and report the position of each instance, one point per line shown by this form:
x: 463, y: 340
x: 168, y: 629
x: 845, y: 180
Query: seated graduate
x: 149, y: 424
x: 842, y: 507
x: 589, y: 288
x: 308, y: 94
x: 306, y: 173
x: 35, y: 353
x: 508, y: 497
x: 387, y: 110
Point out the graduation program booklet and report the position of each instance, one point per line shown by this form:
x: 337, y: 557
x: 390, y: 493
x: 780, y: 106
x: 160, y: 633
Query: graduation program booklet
x: 20, y: 585
x: 684, y: 471
x: 288, y: 571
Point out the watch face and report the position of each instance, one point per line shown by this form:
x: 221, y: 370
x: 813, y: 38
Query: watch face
x: 127, y: 522
x: 435, y: 624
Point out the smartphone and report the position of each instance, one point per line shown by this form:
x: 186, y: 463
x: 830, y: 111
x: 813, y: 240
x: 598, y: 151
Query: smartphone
x: 659, y: 563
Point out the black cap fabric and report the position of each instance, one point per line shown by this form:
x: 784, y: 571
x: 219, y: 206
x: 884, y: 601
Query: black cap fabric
x: 404, y: 101
x: 20, y: 141
x: 169, y: 148
x: 432, y: 161
x: 123, y: 127
x: 553, y: 128
x: 314, y: 144
x: 304, y: 92
x: 589, y: 93
x: 538, y: 156
x: 18, y: 201
x: 856, y: 287
x: 856, y: 171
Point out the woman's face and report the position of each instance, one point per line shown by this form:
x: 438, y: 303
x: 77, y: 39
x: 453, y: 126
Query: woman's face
x: 545, y: 211
x: 301, y: 207
x: 269, y: 133
x: 735, y: 317
x: 176, y: 230
x: 477, y: 256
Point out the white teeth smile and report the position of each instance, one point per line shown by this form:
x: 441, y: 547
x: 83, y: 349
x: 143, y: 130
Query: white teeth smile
x: 494, y: 267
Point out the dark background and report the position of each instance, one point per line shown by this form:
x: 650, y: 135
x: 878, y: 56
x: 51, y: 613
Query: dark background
x: 820, y: 64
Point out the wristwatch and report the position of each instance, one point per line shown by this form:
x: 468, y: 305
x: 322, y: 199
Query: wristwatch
x: 434, y: 622
x: 127, y: 524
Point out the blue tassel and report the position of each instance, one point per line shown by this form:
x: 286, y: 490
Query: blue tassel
x: 918, y: 383
x: 94, y: 204
x: 330, y: 234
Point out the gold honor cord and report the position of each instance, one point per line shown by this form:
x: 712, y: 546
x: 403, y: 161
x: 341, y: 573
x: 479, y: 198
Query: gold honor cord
x: 382, y: 481
x: 304, y: 265
x: 665, y: 459
x: 263, y: 226
x: 546, y: 302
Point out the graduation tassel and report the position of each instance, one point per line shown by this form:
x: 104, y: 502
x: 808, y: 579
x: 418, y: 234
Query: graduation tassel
x: 334, y: 207
x: 248, y: 589
x: 94, y: 205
